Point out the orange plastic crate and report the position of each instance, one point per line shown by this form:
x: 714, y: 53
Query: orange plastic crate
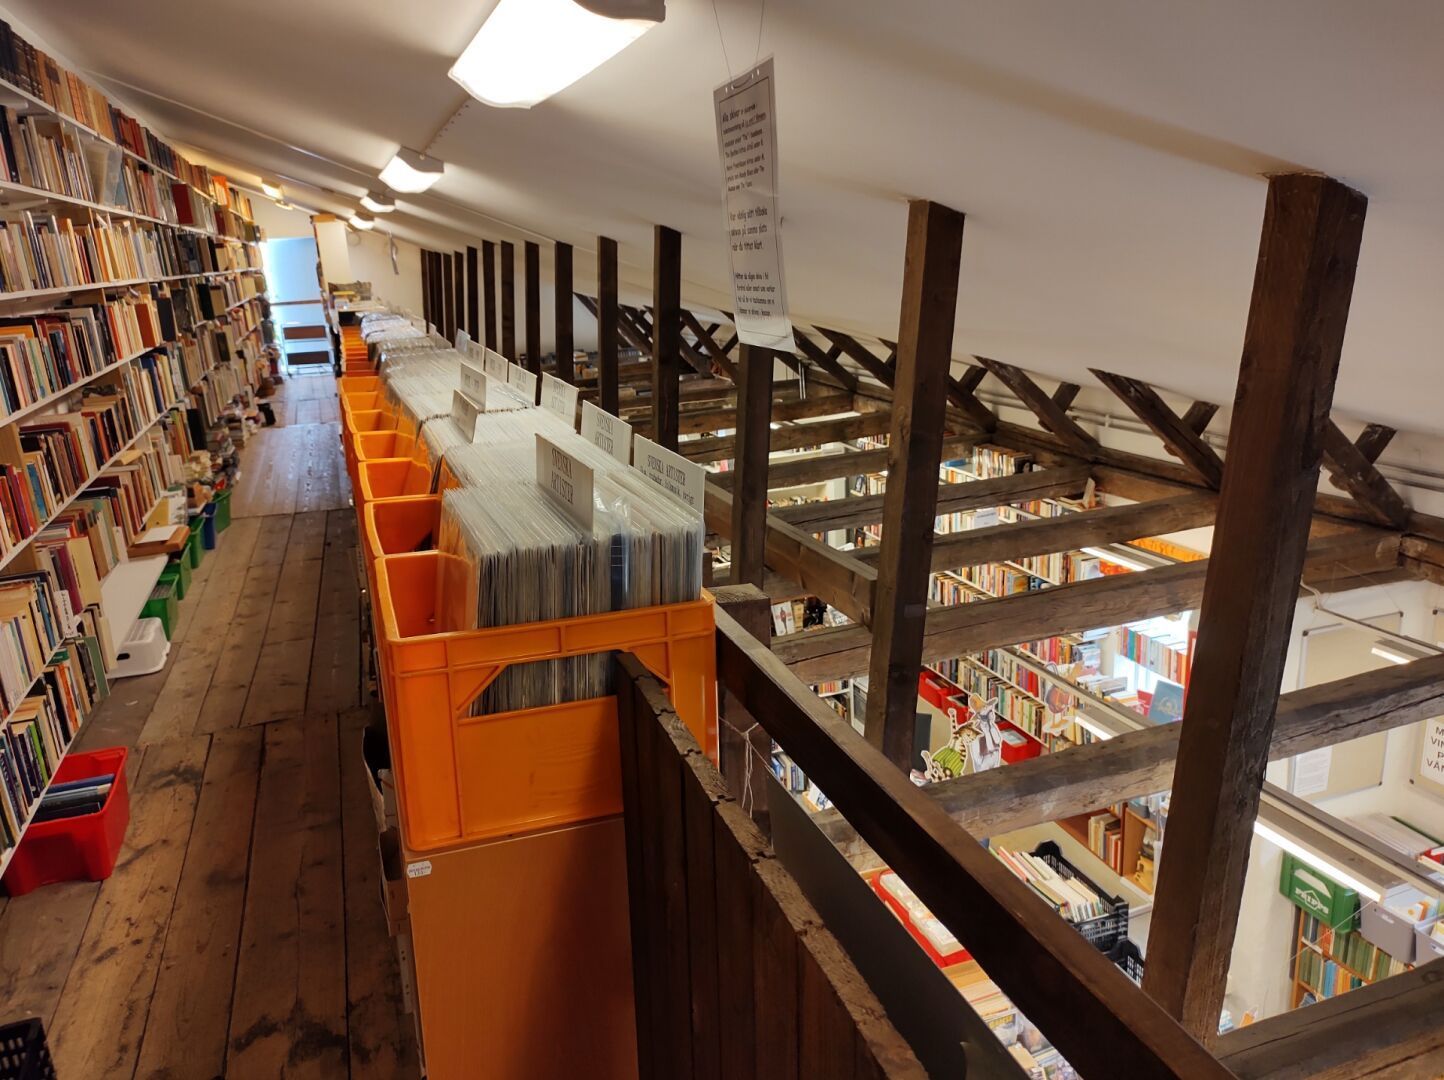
x: 461, y: 779
x: 347, y: 384
x: 397, y: 526
x: 370, y: 445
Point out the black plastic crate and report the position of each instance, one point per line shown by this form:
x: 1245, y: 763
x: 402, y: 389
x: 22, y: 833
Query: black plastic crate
x: 23, y: 1052
x: 1106, y: 930
x: 1129, y: 960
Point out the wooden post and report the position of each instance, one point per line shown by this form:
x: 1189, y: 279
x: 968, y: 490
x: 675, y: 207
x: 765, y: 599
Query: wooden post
x: 666, y: 334
x: 565, y: 342
x: 532, y: 263
x: 448, y: 299
x: 488, y: 287
x: 1302, y: 286
x: 508, y: 301
x: 749, y: 493
x: 473, y: 295
x: 425, y: 285
x: 920, y: 398
x: 458, y: 303
x: 609, y: 396
x: 749, y: 606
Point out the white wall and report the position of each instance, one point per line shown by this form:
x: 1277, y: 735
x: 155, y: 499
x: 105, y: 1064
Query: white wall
x: 371, y: 261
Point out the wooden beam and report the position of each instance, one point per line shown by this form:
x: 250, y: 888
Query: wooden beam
x: 667, y: 334
x: 1065, y: 395
x: 1045, y: 536
x: 1373, y: 440
x: 1351, y: 470
x: 607, y: 324
x: 458, y: 269
x: 920, y: 379
x: 1042, y: 406
x: 828, y: 466
x: 696, y: 420
x: 962, y: 392
x: 531, y: 260
x: 1388, y: 1029
x: 1300, y: 305
x: 562, y: 300
x: 1102, y: 1024
x: 1076, y: 781
x: 473, y: 293
x: 1199, y: 415
x: 791, y: 437
x: 834, y: 576
x: 856, y: 510
x: 448, y: 299
x: 508, y: 301
x: 873, y: 364
x: 488, y: 288
x: 1179, y: 438
x: 820, y: 655
x: 827, y: 360
x: 753, y: 420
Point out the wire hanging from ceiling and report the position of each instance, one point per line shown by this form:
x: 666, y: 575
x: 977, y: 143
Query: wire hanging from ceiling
x: 722, y: 38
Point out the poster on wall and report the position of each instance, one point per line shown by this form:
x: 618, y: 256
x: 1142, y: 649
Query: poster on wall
x: 746, y: 111
x: 1431, y: 753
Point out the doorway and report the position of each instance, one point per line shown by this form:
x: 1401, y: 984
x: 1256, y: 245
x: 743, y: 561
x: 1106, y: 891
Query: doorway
x: 291, y: 271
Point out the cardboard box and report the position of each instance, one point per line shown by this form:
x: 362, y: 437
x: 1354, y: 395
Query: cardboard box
x: 393, y: 881
x: 1426, y: 947
x: 376, y: 755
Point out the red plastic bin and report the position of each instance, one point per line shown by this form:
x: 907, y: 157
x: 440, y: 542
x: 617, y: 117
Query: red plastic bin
x: 80, y: 848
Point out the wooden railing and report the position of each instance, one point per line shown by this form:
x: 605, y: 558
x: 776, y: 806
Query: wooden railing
x: 735, y: 974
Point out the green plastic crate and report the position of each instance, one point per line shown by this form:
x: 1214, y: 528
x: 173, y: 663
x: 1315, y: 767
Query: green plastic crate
x: 162, y: 605
x: 195, y: 547
x: 179, y: 568
x: 223, y: 510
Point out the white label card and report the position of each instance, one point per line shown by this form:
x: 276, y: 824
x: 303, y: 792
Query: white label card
x: 464, y: 412
x: 418, y: 869
x: 560, y: 397
x: 685, y: 479
x: 473, y: 382
x: 494, y: 364
x: 606, y: 432
x: 463, y: 339
x: 566, y: 479
x: 523, y: 380
x: 746, y: 114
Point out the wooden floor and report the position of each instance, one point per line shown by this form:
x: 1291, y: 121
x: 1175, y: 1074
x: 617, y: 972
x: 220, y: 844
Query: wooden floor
x: 241, y: 934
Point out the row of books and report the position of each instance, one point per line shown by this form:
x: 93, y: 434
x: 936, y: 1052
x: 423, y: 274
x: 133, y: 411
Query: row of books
x: 33, y: 71
x: 41, y: 728
x: 75, y: 798
x: 1105, y: 838
x: 1162, y: 656
x: 1347, y: 947
x: 1013, y: 705
x: 1069, y: 896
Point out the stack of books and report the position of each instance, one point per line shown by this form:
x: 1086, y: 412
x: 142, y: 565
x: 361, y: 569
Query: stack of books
x: 1070, y: 897
x: 75, y: 797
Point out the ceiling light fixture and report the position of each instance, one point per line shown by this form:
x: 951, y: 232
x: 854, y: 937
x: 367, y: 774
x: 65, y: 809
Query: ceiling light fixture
x: 363, y: 221
x: 378, y: 202
x: 1397, y: 653
x: 528, y: 50
x: 1117, y: 560
x: 273, y: 191
x: 1317, y: 861
x: 411, y: 171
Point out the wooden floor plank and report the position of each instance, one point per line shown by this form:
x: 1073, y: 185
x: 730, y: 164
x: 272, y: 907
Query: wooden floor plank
x: 177, y: 707
x: 382, y: 1046
x: 230, y: 684
x: 103, y: 1009
x: 283, y: 665
x: 335, y: 677
x: 189, y: 1020
x: 288, y: 1017
x: 40, y: 934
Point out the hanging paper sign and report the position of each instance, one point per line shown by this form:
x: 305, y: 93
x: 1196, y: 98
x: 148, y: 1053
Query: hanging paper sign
x: 672, y: 472
x: 464, y: 412
x: 494, y: 364
x: 560, y: 397
x: 523, y: 380
x: 565, y: 479
x: 473, y: 382
x: 746, y: 111
x: 606, y: 432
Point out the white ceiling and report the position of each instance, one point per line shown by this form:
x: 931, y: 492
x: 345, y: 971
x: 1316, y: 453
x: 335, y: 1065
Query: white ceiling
x: 1108, y: 154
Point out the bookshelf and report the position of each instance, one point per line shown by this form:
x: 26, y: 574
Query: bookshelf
x: 1328, y: 961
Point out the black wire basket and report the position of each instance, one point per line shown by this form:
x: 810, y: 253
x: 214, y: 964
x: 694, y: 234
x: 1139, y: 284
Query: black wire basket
x: 23, y: 1052
x: 1104, y: 931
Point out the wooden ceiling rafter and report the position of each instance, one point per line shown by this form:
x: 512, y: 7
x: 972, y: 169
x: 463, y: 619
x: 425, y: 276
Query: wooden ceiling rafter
x: 1180, y: 438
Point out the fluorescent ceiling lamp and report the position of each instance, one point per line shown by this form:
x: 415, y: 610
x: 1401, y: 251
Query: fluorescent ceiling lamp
x: 1116, y: 560
x: 378, y: 202
x: 1098, y: 730
x: 527, y: 50
x: 363, y: 221
x: 273, y: 191
x: 410, y: 171
x: 1396, y: 653
x: 1319, y: 863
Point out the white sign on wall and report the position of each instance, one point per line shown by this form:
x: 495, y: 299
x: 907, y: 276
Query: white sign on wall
x: 1431, y: 751
x: 746, y: 113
